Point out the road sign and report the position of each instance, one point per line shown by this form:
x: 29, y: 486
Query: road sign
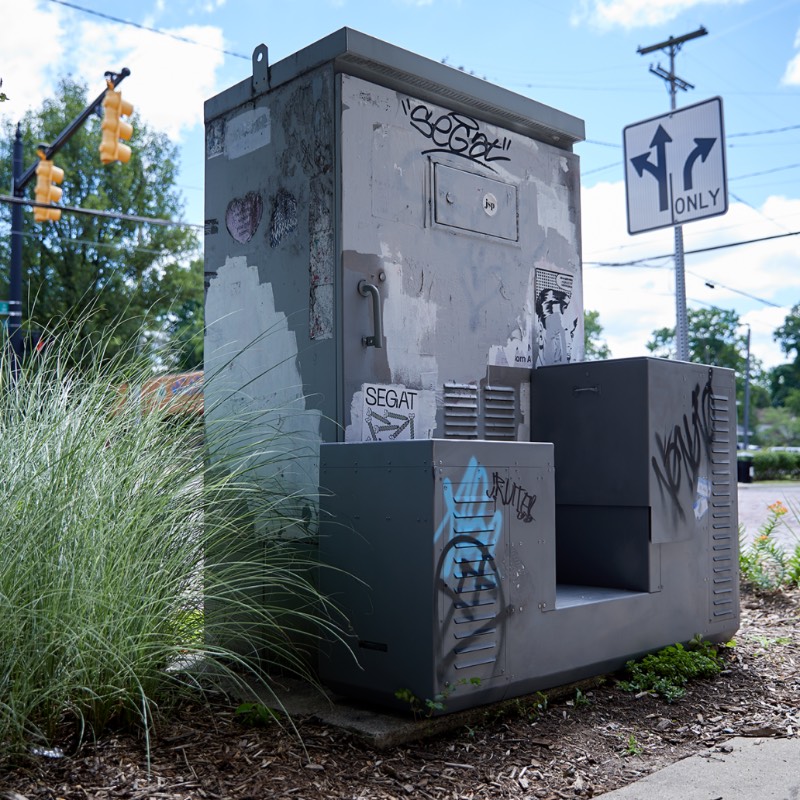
x: 675, y: 167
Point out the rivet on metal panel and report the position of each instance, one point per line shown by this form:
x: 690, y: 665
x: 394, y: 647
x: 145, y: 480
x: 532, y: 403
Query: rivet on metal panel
x: 261, y: 69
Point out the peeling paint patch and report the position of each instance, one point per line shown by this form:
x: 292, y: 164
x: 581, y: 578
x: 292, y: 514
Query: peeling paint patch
x: 284, y: 217
x: 256, y: 377
x: 243, y: 215
x: 553, y: 210
x: 215, y: 138
x: 518, y: 349
x: 247, y: 132
x: 391, y: 412
x: 321, y: 261
x: 409, y: 327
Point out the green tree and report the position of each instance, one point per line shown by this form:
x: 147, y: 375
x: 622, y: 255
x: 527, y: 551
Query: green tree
x: 785, y: 378
x: 120, y: 269
x: 595, y: 348
x: 716, y: 337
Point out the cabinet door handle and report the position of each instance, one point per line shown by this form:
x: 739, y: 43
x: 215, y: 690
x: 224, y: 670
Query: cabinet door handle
x: 366, y: 290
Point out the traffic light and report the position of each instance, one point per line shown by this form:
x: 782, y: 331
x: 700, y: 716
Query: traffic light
x: 47, y: 176
x: 115, y: 128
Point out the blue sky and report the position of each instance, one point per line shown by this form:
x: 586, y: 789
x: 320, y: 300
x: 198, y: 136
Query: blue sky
x: 579, y: 56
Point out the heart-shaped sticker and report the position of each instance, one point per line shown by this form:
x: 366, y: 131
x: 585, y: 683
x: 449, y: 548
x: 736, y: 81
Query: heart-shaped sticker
x: 243, y: 215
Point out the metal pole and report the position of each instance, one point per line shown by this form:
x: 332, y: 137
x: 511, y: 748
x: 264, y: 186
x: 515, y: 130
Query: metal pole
x: 15, y: 271
x: 746, y: 432
x: 681, y: 321
x: 672, y: 46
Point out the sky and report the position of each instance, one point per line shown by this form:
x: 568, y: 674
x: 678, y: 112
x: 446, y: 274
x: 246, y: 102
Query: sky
x: 579, y: 56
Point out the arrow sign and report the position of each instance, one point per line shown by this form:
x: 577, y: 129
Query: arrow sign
x: 659, y: 169
x: 701, y: 151
x: 684, y: 151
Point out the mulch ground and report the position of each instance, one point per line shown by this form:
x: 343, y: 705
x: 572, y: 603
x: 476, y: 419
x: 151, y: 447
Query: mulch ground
x: 607, y: 739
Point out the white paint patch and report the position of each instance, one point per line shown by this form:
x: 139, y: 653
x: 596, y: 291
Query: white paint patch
x: 247, y: 132
x: 253, y: 386
x: 409, y: 328
x: 391, y: 412
x: 518, y: 350
x: 703, y: 495
x: 553, y: 210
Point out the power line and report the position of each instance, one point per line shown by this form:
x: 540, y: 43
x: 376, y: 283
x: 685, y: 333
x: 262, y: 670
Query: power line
x: 4, y: 198
x: 713, y: 283
x: 175, y: 36
x: 639, y: 261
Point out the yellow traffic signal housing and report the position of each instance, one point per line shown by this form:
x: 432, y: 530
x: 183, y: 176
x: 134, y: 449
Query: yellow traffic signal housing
x: 115, y: 128
x: 47, y: 176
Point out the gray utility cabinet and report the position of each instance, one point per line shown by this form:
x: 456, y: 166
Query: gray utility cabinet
x: 630, y: 543
x: 443, y: 556
x: 391, y: 244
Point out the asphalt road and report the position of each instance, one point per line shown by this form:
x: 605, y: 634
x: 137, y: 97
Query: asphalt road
x: 754, y: 499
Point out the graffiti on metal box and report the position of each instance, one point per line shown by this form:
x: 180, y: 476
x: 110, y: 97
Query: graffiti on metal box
x: 454, y: 133
x: 468, y: 582
x: 680, y: 452
x: 510, y: 493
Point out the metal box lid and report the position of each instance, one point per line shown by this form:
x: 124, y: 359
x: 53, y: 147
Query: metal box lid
x: 357, y: 54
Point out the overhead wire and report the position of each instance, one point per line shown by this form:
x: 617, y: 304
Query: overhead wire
x: 177, y: 37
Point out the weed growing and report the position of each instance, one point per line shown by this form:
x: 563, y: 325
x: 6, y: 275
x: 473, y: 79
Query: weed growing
x: 667, y: 672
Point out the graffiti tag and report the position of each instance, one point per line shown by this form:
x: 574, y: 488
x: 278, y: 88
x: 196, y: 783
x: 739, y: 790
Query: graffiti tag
x: 511, y: 493
x: 680, y: 452
x: 457, y: 134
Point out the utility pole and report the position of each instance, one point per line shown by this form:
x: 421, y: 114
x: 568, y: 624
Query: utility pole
x: 21, y: 178
x: 672, y: 46
x: 746, y: 415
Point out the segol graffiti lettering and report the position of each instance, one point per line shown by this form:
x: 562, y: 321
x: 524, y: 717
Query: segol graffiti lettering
x: 457, y: 134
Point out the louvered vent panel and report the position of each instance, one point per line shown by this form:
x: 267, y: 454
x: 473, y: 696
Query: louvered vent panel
x: 477, y: 590
x: 460, y: 411
x: 499, y: 412
x: 723, y: 554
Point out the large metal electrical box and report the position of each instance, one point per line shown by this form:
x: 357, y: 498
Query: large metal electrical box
x: 393, y: 285
x: 391, y: 245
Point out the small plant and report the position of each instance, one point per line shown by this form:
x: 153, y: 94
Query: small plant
x: 764, y: 564
x: 632, y: 747
x: 667, y: 672
x: 581, y: 699
x: 256, y: 715
x: 427, y: 708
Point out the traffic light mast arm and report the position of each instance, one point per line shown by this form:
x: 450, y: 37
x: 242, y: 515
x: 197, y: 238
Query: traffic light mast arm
x: 115, y: 79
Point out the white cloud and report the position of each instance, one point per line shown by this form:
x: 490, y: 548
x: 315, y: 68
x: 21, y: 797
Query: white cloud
x: 635, y: 301
x: 792, y: 74
x: 637, y: 13
x: 29, y: 42
x: 169, y: 79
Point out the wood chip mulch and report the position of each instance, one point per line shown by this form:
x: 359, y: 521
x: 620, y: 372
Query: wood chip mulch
x: 607, y: 739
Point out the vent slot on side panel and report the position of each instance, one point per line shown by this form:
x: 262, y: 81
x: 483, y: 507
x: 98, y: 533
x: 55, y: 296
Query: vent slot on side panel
x: 499, y: 412
x: 460, y: 411
x: 475, y: 583
x: 724, y: 562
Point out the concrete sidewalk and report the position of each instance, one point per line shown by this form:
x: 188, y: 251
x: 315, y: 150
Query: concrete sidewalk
x: 740, y: 769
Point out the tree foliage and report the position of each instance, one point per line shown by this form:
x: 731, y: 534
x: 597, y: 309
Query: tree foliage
x: 785, y: 378
x: 595, y: 347
x: 119, y: 269
x: 716, y: 337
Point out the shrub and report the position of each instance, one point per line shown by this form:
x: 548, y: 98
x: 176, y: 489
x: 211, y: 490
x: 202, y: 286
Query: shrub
x: 764, y: 564
x: 114, y: 537
x: 776, y: 465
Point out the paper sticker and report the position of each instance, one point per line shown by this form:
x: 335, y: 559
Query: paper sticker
x: 391, y: 412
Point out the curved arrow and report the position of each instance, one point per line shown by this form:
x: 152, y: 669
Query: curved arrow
x: 701, y: 151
